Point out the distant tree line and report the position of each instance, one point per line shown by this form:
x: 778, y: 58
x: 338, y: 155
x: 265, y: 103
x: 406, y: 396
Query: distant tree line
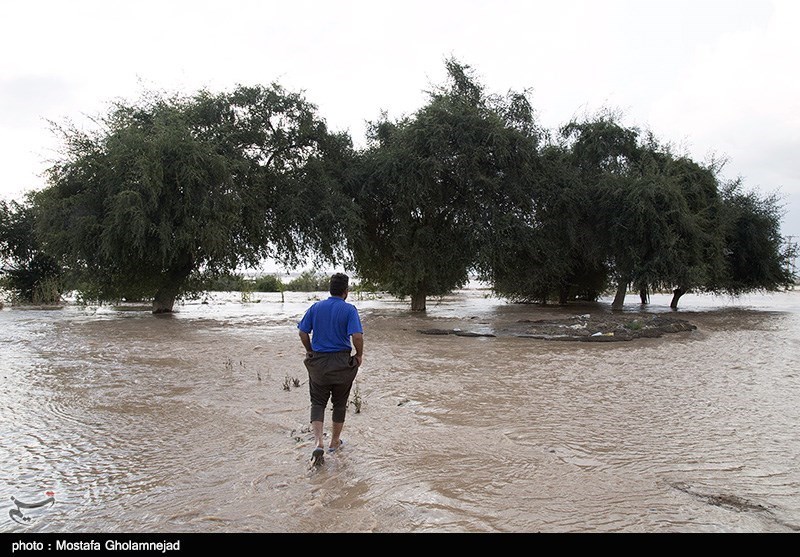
x: 307, y: 281
x: 171, y: 193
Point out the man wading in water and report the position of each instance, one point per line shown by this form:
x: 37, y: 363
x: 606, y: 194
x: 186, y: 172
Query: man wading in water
x: 331, y: 368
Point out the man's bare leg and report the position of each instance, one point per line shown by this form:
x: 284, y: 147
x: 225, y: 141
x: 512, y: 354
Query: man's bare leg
x: 336, y: 433
x: 318, y: 454
x: 316, y: 427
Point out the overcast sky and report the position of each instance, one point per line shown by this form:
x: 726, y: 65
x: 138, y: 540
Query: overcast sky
x: 715, y: 77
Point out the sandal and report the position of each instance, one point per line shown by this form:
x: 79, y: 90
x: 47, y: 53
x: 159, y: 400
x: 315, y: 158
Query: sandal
x: 334, y: 449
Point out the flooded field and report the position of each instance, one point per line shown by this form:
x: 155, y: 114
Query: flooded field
x: 182, y: 423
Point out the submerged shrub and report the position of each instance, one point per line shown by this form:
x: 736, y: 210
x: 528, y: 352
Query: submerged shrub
x: 309, y: 281
x: 268, y: 283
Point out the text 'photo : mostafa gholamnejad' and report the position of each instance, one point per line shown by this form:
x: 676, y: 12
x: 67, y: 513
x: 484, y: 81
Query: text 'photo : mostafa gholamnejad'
x: 94, y: 545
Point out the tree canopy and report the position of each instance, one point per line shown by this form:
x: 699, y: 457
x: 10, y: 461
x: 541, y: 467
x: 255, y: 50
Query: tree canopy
x: 172, y: 189
x: 755, y: 257
x: 432, y: 189
x: 611, y: 204
x: 31, y: 275
x: 172, y: 186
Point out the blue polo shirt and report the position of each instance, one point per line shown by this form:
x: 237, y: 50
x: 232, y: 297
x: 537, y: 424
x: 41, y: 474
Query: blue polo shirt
x: 333, y: 321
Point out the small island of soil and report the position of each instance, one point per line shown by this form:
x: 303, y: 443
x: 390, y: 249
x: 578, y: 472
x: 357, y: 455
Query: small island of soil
x: 584, y: 328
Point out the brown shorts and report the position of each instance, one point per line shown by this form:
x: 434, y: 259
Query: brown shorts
x: 330, y: 375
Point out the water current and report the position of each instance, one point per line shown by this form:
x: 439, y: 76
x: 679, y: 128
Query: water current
x: 139, y: 423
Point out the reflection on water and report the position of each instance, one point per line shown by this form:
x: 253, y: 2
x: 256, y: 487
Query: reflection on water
x: 181, y: 423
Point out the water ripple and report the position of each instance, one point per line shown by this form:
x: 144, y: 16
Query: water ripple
x: 139, y: 423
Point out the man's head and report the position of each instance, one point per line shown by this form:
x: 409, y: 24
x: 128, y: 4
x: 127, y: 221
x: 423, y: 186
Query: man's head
x: 339, y: 284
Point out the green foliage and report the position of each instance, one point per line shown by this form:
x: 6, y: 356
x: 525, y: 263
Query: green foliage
x: 431, y: 186
x: 36, y: 281
x: 226, y: 282
x: 269, y: 283
x: 31, y: 275
x: 356, y: 400
x: 670, y: 224
x: 755, y: 256
x: 633, y: 325
x: 247, y: 292
x: 651, y: 215
x: 366, y: 290
x: 694, y: 254
x: 232, y: 282
x: 611, y: 204
x: 171, y: 194
x: 554, y: 253
x: 367, y: 287
x: 16, y: 228
x: 169, y: 185
x: 602, y: 145
x: 309, y: 281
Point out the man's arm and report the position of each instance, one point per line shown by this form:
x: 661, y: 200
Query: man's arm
x: 358, y: 343
x: 306, y: 340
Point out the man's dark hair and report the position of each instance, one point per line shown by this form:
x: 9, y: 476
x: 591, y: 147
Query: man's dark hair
x: 339, y: 283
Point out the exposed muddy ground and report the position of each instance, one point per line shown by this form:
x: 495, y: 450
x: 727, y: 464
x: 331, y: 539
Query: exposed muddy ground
x: 585, y: 328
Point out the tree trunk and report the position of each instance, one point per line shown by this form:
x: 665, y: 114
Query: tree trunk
x: 418, y: 301
x: 164, y: 300
x: 644, y: 295
x: 676, y: 295
x: 563, y: 296
x: 171, y: 284
x: 619, y: 299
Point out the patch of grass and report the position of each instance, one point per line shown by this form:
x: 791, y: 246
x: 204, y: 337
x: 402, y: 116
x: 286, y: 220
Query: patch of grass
x: 356, y: 400
x: 247, y: 292
x: 288, y: 382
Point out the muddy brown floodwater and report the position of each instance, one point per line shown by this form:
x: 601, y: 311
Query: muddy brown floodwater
x: 138, y: 423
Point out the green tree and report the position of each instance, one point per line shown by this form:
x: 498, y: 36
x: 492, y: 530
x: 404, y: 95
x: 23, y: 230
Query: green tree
x: 665, y: 221
x: 605, y: 155
x: 432, y: 188
x: 690, y: 252
x: 642, y: 218
x: 31, y: 275
x: 655, y: 215
x: 755, y: 255
x: 269, y: 283
x: 309, y: 281
x: 225, y: 282
x: 552, y: 253
x: 170, y: 187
